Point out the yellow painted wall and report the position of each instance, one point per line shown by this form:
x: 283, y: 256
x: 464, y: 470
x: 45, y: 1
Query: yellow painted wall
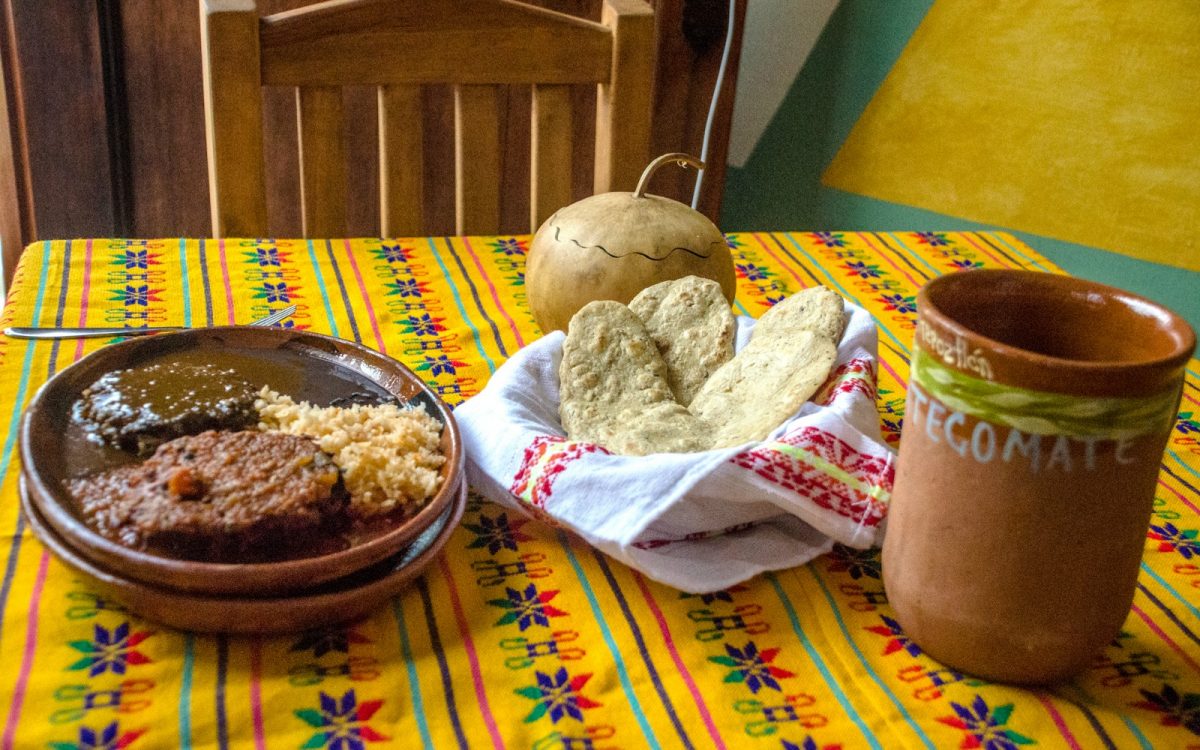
x: 1073, y: 119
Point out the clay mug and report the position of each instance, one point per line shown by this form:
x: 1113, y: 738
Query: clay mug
x: 1038, y: 410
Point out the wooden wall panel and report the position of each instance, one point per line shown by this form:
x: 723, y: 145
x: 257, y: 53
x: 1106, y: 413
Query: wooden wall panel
x: 58, y: 60
x: 688, y: 60
x: 12, y: 236
x: 16, y: 204
x: 164, y: 114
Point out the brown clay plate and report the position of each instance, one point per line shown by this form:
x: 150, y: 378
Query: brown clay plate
x: 328, y: 604
x: 306, y: 366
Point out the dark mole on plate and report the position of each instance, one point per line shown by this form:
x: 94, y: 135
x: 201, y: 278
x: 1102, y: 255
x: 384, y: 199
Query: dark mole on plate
x: 187, y: 392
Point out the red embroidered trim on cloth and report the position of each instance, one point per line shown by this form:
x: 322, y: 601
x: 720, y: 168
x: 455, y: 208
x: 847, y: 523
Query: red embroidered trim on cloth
x: 824, y: 490
x: 856, y: 376
x: 545, y: 458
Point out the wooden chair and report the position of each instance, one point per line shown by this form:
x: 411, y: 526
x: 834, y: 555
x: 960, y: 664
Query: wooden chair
x: 398, y: 46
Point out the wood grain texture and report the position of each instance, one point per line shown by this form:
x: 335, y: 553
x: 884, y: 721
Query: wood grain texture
x: 14, y: 98
x: 672, y: 96
x: 514, y: 135
x: 360, y: 123
x: 322, y: 161
x: 550, y: 166
x: 67, y: 178
x: 14, y: 172
x: 62, y: 91
x: 476, y: 159
x: 718, y: 148
x: 372, y: 42
x: 583, y: 105
x: 11, y: 238
x: 623, y: 104
x: 116, y: 111
x: 164, y: 119
x: 280, y: 146
x: 684, y: 78
x: 401, y: 162
x: 233, y: 122
x: 438, y: 102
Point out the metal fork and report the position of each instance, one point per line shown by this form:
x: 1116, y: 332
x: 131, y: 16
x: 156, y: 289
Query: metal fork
x: 89, y: 333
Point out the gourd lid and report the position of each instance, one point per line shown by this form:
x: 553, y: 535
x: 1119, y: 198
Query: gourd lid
x: 622, y: 224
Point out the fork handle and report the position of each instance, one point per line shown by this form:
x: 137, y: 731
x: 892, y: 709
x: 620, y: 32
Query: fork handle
x: 83, y: 333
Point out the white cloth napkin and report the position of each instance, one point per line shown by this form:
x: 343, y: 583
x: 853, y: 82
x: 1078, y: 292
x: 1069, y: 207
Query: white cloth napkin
x: 700, y: 522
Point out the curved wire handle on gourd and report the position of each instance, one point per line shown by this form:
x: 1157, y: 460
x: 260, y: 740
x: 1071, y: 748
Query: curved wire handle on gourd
x: 683, y: 160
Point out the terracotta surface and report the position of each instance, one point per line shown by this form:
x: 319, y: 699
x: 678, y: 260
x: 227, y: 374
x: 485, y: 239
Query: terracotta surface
x: 314, y: 365
x: 1021, y: 506
x: 340, y: 601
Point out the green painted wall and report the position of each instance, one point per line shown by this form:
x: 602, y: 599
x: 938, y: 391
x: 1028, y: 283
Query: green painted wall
x: 780, y: 186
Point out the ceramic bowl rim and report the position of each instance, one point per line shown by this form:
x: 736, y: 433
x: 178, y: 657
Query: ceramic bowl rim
x: 380, y: 586
x: 229, y: 578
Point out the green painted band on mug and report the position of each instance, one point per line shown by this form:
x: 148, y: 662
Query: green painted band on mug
x: 1040, y: 412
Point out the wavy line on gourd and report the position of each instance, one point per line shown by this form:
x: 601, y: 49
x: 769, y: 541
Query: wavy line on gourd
x: 603, y: 249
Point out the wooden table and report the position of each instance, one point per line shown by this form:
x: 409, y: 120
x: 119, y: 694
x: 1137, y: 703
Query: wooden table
x: 518, y: 636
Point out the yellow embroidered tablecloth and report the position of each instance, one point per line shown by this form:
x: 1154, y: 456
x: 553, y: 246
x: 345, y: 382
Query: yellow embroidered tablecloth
x: 518, y: 636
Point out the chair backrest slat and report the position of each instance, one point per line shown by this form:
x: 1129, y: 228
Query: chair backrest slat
x: 322, y: 161
x: 476, y: 159
x: 377, y: 42
x: 401, y: 161
x: 400, y: 46
x: 233, y: 118
x: 622, y: 102
x: 550, y: 151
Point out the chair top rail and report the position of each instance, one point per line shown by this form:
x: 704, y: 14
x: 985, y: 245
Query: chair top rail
x: 382, y: 42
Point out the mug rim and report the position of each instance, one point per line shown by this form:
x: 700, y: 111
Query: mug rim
x: 1175, y: 327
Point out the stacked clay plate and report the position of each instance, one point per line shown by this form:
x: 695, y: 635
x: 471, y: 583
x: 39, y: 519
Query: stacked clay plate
x: 316, y: 582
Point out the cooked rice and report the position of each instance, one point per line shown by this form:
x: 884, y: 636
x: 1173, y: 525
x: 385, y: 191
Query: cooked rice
x: 389, y: 455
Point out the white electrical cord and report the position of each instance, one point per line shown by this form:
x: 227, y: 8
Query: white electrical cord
x: 712, y: 107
